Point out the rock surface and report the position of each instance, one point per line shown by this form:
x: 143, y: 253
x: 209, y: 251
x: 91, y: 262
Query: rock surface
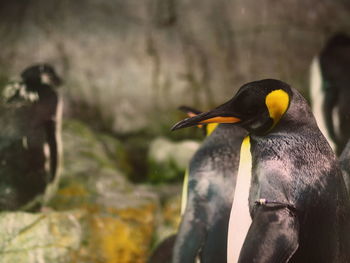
x: 120, y: 217
x: 100, y: 216
x: 125, y: 62
x: 53, y: 237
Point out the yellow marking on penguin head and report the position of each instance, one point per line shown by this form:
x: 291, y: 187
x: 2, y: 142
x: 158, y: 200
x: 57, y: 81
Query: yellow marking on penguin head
x: 277, y: 103
x: 211, y: 127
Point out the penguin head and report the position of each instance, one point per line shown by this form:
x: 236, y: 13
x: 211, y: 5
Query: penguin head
x: 39, y: 75
x: 257, y: 106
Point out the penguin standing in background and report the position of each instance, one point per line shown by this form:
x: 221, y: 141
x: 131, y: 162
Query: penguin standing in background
x: 217, y: 226
x: 330, y: 90
x: 207, y: 131
x: 290, y: 202
x: 211, y: 179
x: 163, y: 253
x: 30, y: 116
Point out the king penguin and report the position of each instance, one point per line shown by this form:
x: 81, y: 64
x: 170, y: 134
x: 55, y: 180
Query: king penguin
x: 330, y: 90
x: 208, y: 194
x: 163, y: 253
x: 165, y: 250
x: 290, y: 203
x: 30, y: 139
x: 207, y: 131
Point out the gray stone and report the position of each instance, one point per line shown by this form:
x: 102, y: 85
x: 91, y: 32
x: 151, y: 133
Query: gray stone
x: 52, y: 237
x: 120, y: 217
x: 131, y: 60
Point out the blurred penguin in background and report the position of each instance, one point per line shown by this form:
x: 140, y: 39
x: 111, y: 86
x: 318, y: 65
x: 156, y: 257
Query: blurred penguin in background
x: 208, y: 194
x: 330, y: 91
x: 163, y: 253
x: 30, y: 116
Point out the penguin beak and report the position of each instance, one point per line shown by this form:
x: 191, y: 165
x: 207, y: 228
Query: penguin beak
x: 191, y: 112
x: 217, y: 115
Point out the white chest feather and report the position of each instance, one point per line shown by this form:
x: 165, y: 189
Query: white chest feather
x: 240, y: 219
x: 317, y: 98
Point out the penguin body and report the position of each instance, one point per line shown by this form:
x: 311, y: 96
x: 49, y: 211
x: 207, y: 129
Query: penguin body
x: 300, y: 171
x: 30, y: 140
x: 331, y: 93
x: 298, y: 204
x: 164, y: 251
x: 212, y: 176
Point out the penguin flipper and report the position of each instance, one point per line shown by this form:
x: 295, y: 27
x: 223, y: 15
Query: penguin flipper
x: 272, y: 236
x: 215, y: 247
x: 190, y: 236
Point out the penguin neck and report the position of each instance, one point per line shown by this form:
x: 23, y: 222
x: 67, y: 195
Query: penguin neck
x: 228, y: 131
x: 43, y: 90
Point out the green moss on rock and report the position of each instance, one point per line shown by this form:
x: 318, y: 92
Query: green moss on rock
x: 167, y: 160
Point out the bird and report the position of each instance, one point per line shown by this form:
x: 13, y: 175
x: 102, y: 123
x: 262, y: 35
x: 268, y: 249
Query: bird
x: 207, y: 131
x: 330, y: 92
x: 30, y: 148
x: 164, y: 251
x: 290, y: 202
x: 208, y: 195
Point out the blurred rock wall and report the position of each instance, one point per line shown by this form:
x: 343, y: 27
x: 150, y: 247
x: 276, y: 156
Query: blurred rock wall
x: 129, y: 64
